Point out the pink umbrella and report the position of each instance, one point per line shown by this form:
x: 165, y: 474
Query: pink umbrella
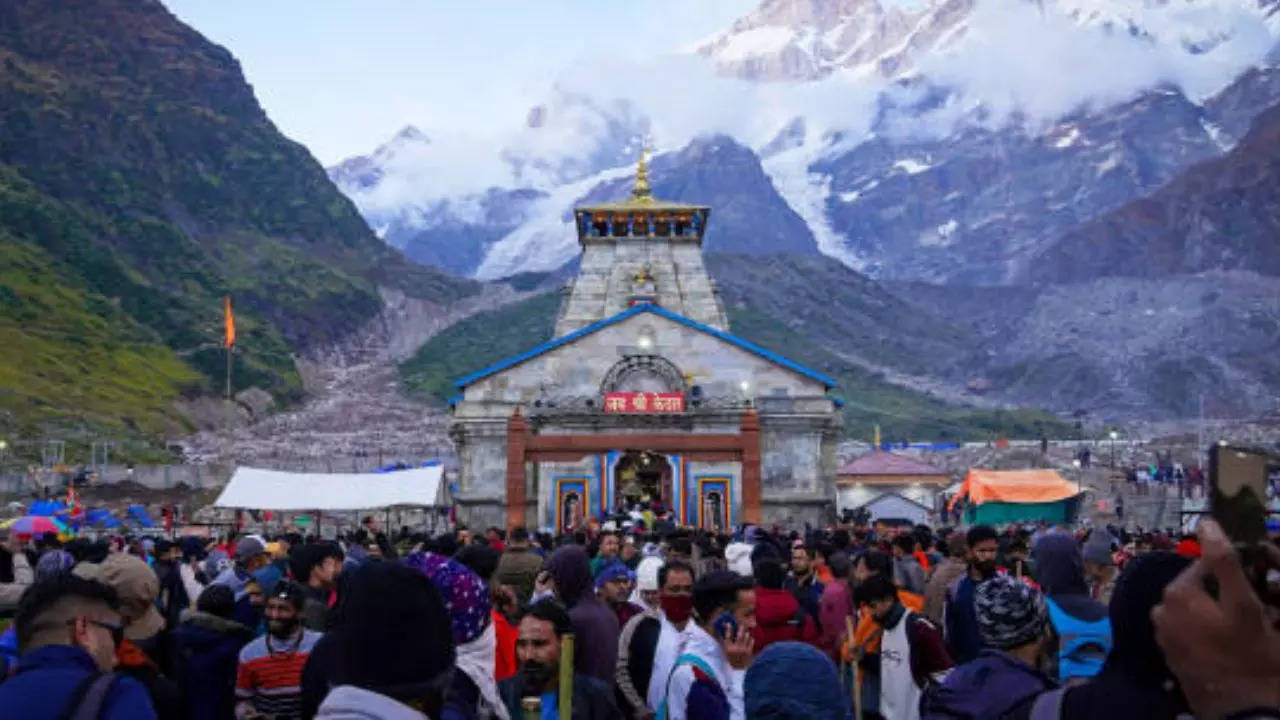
x: 34, y: 525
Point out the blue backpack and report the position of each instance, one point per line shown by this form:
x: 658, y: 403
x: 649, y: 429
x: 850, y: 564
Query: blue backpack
x: 1084, y: 644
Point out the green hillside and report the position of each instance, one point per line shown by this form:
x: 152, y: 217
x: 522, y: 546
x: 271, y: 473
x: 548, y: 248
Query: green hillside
x: 478, y: 341
x: 903, y: 414
x: 140, y: 182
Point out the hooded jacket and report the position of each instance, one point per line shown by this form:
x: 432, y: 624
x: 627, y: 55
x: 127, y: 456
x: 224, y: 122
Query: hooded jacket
x: 348, y: 702
x: 1132, y: 682
x: 206, y: 653
x: 595, y: 626
x: 779, y: 618
x: 988, y: 687
x: 1060, y: 570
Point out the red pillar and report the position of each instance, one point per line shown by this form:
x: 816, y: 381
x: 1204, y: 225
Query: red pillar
x: 750, y: 467
x: 517, y: 430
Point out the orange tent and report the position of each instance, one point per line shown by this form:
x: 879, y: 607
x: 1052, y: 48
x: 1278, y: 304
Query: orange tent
x: 1014, y: 486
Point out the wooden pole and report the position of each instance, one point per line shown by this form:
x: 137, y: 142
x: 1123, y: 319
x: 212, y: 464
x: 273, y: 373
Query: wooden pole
x: 566, y: 676
x: 229, y: 350
x: 857, y: 685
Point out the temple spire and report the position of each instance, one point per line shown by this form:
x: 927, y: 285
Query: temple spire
x: 641, y: 191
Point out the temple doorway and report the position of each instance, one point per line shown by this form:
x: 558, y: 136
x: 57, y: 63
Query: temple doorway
x: 643, y: 478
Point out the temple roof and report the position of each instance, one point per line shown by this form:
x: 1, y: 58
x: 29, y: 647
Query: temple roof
x: 631, y: 312
x: 880, y: 462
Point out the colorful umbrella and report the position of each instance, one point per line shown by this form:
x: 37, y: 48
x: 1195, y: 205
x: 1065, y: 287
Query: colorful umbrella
x: 35, y: 525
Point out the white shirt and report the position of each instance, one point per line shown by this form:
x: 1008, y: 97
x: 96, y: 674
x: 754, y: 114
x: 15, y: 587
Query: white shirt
x: 704, y: 646
x: 899, y: 694
x: 671, y: 642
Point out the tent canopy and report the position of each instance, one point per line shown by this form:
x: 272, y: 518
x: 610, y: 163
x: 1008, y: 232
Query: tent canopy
x: 1014, y: 486
x: 260, y: 489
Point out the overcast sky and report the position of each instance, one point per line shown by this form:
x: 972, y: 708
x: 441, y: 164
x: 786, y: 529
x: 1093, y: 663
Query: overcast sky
x: 342, y: 76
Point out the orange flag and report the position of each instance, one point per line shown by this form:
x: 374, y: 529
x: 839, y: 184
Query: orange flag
x: 231, y: 323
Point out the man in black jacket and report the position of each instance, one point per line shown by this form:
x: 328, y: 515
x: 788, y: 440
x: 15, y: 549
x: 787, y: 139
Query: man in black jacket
x: 538, y: 650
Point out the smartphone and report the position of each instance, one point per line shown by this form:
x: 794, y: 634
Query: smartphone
x: 725, y: 626
x: 1238, y: 481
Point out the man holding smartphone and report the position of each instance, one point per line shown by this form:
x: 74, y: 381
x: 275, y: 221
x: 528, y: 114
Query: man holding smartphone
x: 706, y: 680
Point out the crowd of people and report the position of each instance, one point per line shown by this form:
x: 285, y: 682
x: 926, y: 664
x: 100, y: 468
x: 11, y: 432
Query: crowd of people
x: 849, y: 621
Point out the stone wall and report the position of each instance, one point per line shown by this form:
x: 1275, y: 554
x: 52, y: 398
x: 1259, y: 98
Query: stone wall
x: 606, y: 282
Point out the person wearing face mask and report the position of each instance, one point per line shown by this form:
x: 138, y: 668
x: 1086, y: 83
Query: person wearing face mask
x: 1012, y: 619
x: 675, y: 587
x: 912, y: 653
x: 959, y: 619
x: 269, y: 677
x: 538, y: 650
x: 639, y: 642
x: 68, y: 630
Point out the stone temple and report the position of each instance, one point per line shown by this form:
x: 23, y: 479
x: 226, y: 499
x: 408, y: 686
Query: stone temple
x: 644, y: 395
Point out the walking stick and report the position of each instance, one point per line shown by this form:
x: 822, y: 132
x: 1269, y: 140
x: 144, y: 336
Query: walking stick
x: 857, y: 685
x: 566, y: 676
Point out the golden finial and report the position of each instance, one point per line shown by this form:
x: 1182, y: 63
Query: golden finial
x: 641, y: 191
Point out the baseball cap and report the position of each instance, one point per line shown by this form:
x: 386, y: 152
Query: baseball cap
x: 249, y: 548
x: 137, y: 587
x: 291, y: 591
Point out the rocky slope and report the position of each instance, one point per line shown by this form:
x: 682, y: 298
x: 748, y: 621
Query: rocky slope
x: 1221, y: 214
x: 140, y: 182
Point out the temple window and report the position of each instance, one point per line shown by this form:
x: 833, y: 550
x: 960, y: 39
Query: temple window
x: 620, y: 225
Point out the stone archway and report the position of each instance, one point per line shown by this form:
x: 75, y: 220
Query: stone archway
x: 643, y: 373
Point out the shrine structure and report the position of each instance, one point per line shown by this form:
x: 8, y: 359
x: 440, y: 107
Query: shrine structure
x: 644, y: 397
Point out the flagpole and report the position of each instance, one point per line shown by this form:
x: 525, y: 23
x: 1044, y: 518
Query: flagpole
x: 229, y: 349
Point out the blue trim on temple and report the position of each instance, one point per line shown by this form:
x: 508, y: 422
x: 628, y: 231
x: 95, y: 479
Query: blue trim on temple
x: 636, y: 310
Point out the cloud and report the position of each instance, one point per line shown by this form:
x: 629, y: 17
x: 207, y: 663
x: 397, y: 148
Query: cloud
x: 1033, y: 60
x: 1042, y: 63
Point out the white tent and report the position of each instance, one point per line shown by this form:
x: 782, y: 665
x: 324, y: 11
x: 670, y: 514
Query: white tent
x: 259, y: 489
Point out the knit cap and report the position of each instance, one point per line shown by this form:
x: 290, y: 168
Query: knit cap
x: 793, y: 681
x: 465, y: 595
x: 53, y: 562
x: 1010, y: 612
x: 613, y: 571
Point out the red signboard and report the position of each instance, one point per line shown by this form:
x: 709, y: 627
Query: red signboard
x: 643, y: 402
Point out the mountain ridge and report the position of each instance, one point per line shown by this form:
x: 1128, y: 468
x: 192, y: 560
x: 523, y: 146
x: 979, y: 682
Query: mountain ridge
x: 139, y: 174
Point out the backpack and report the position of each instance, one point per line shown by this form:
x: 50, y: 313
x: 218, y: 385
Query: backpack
x: 1083, y: 644
x: 89, y: 697
x: 684, y: 659
x: 1048, y: 705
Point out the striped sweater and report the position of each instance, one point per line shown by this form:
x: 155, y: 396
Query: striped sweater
x: 270, y: 679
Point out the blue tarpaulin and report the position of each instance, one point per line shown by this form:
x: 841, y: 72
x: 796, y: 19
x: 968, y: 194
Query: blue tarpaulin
x: 47, y: 507
x: 138, y: 514
x: 100, y: 517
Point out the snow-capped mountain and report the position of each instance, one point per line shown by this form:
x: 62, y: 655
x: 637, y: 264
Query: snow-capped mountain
x: 943, y: 140
x: 809, y: 39
x: 798, y: 40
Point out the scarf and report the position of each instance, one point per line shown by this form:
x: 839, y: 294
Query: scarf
x: 476, y: 659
